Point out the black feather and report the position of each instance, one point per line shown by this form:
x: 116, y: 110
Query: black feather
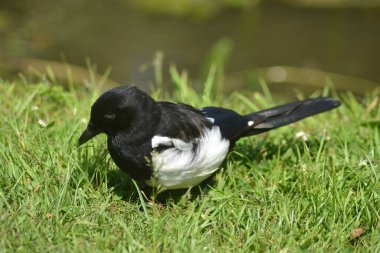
x: 181, y: 121
x: 286, y: 114
x: 231, y: 124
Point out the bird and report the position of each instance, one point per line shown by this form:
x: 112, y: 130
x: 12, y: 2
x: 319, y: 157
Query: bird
x: 175, y: 145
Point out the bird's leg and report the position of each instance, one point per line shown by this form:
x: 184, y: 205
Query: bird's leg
x: 146, y: 192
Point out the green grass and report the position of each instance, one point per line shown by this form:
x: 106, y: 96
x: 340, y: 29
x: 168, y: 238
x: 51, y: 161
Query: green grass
x: 276, y: 192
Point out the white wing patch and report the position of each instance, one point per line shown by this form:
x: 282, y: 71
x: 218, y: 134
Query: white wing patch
x: 166, y: 141
x: 182, y: 166
x: 212, y: 120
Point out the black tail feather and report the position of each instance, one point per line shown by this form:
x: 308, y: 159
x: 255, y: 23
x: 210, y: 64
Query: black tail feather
x: 286, y: 114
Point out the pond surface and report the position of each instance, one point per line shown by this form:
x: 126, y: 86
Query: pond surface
x: 110, y: 34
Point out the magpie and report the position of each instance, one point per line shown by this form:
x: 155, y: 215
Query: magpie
x: 174, y: 145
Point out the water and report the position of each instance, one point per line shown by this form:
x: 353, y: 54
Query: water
x: 342, y: 41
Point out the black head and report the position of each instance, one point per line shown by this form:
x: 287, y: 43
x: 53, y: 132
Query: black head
x: 116, y: 110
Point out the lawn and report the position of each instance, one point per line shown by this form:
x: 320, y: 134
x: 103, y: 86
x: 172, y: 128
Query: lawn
x: 309, y: 187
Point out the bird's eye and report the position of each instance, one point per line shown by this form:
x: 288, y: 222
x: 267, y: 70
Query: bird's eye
x: 109, y: 117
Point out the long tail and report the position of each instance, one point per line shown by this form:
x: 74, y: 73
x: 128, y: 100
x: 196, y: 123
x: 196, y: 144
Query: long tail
x: 282, y: 115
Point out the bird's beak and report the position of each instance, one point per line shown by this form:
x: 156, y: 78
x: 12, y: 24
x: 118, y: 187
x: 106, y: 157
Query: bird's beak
x: 89, y: 133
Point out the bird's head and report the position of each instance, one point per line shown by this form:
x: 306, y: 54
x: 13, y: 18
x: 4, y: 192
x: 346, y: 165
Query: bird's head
x: 115, y: 110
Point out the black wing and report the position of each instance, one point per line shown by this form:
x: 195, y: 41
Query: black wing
x: 181, y: 121
x: 231, y: 124
x: 234, y: 126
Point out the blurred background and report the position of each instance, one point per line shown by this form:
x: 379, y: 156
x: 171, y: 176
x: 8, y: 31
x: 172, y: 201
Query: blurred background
x: 291, y: 44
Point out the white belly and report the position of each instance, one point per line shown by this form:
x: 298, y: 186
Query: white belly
x: 182, y: 166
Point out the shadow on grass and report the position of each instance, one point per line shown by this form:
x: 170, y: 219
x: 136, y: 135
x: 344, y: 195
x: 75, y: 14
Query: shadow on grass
x: 97, y: 169
x: 267, y: 150
x: 124, y: 187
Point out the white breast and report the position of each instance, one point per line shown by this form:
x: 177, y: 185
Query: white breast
x: 184, y: 166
